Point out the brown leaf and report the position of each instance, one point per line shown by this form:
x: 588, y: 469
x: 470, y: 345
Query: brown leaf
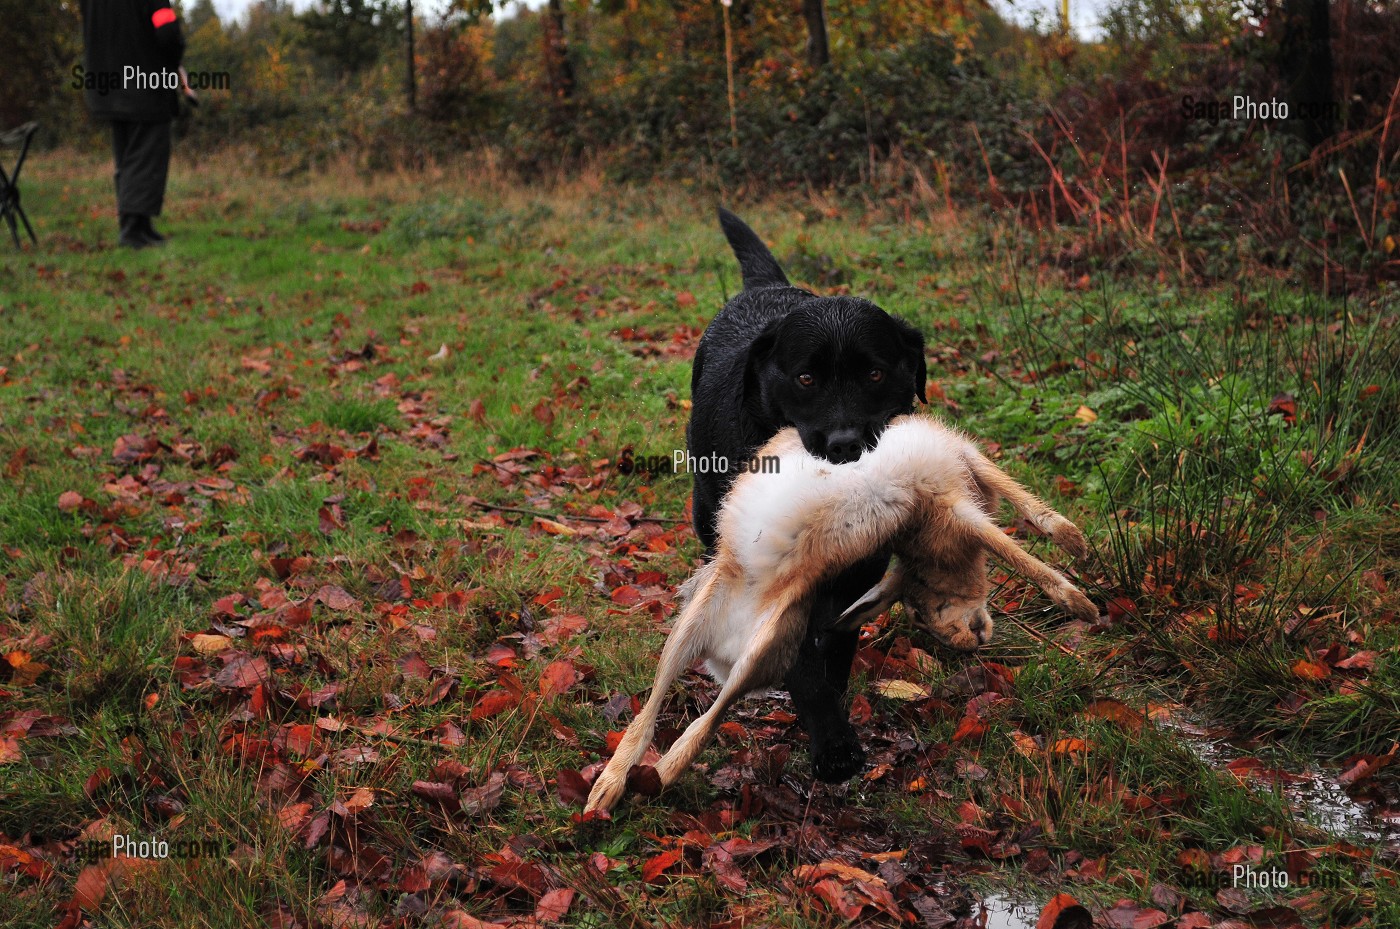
x: 1069, y: 747
x: 435, y: 790
x: 69, y: 500
x: 1233, y: 899
x: 644, y: 780
x: 95, y: 781
x: 336, y: 598
x: 1116, y: 712
x: 241, y: 672
x: 1361, y: 661
x: 1361, y: 767
x: 1128, y: 915
x: 207, y: 644
x: 362, y: 799
x: 294, y: 815
x: 483, y: 799
x: 10, y: 751
x: 553, y: 527
x: 91, y: 887
x: 317, y: 828
x: 554, y: 905
x: 330, y: 518
x: 558, y: 678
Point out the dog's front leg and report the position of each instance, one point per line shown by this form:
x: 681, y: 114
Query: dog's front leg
x: 817, y: 684
x: 818, y: 679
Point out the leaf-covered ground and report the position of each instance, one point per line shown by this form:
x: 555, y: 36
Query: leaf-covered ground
x: 318, y: 564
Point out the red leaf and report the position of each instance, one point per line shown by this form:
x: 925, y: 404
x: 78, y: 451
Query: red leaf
x: 493, y: 703
x: 1310, y: 670
x: 970, y: 728
x: 571, y: 786
x: 1064, y: 912
x: 660, y: 864
x: 642, y: 779
x: 626, y: 595
x: 836, y: 897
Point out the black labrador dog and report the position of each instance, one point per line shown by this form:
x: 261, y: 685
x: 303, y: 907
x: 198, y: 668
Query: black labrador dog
x: 837, y: 368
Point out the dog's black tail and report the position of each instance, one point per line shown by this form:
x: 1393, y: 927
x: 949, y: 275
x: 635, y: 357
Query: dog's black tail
x: 757, y: 263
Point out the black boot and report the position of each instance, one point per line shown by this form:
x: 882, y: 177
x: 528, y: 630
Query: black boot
x: 150, y: 233
x: 131, y: 235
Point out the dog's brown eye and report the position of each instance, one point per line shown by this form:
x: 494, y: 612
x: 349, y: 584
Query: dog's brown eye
x: 806, y: 380
x: 877, y: 375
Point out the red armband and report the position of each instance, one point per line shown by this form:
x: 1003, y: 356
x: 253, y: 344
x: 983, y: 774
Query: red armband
x: 162, y: 17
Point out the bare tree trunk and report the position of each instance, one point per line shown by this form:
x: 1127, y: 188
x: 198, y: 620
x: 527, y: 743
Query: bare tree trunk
x: 557, y: 64
x: 818, y: 49
x: 412, y: 73
x: 1305, y: 67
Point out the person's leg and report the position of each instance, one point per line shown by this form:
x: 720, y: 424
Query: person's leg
x: 129, y: 224
x: 145, y: 169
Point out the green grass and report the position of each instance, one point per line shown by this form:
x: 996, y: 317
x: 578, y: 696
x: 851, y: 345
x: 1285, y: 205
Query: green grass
x: 262, y: 409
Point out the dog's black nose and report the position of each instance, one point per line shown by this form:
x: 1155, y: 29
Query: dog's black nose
x: 844, y: 445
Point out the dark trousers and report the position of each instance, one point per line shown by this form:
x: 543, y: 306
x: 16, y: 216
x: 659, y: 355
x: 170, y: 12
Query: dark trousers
x: 142, y: 154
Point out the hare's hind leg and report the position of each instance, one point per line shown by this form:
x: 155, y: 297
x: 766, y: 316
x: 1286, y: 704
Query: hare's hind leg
x: 683, y: 646
x: 770, y: 653
x: 1055, y: 584
x: 996, y: 481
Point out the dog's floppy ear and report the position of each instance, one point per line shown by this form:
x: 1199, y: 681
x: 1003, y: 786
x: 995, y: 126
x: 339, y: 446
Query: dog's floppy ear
x: 874, y: 601
x: 760, y: 350
x: 912, y: 344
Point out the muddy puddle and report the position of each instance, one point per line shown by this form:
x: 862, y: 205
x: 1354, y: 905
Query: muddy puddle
x: 1313, y: 793
x: 998, y: 911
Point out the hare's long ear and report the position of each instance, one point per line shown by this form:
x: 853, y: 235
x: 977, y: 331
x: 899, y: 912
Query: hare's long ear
x: 874, y: 601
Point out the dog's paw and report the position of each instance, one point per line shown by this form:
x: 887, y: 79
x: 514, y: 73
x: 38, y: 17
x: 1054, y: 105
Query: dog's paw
x: 606, y: 792
x: 838, y: 761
